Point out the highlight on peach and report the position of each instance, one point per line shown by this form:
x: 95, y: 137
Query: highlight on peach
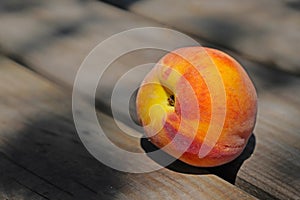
x: 176, y: 106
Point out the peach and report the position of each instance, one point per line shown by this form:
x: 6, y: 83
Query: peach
x: 175, y: 106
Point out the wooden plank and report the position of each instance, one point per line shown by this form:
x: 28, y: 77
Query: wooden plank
x: 265, y: 31
x: 278, y: 109
x: 42, y: 157
x: 272, y: 168
x: 267, y: 82
x: 37, y: 22
x: 263, y: 174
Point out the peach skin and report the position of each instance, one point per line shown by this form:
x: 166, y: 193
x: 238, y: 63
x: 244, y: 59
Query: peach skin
x: 175, y: 105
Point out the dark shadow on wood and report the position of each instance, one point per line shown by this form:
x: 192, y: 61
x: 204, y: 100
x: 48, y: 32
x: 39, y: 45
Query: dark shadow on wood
x: 48, y: 160
x: 18, y: 6
x: 294, y: 4
x: 227, y: 171
x: 123, y: 4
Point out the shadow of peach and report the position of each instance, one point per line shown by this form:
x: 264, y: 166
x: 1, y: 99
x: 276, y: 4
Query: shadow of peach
x: 227, y: 171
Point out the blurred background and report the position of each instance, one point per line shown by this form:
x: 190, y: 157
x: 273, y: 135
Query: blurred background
x: 42, y: 45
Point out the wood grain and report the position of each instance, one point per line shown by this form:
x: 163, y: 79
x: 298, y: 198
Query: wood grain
x: 42, y: 157
x: 263, y: 30
x: 272, y: 170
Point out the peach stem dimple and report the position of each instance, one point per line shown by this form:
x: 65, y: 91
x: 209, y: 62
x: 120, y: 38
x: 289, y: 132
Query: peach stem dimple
x: 171, y: 100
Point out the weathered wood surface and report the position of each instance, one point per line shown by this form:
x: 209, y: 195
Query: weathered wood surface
x: 42, y: 157
x: 263, y: 30
x: 272, y: 170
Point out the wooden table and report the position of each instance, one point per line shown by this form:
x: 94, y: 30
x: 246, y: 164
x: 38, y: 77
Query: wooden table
x: 41, y: 154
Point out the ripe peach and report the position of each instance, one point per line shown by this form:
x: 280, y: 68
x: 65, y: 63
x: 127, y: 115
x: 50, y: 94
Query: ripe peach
x: 176, y: 100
